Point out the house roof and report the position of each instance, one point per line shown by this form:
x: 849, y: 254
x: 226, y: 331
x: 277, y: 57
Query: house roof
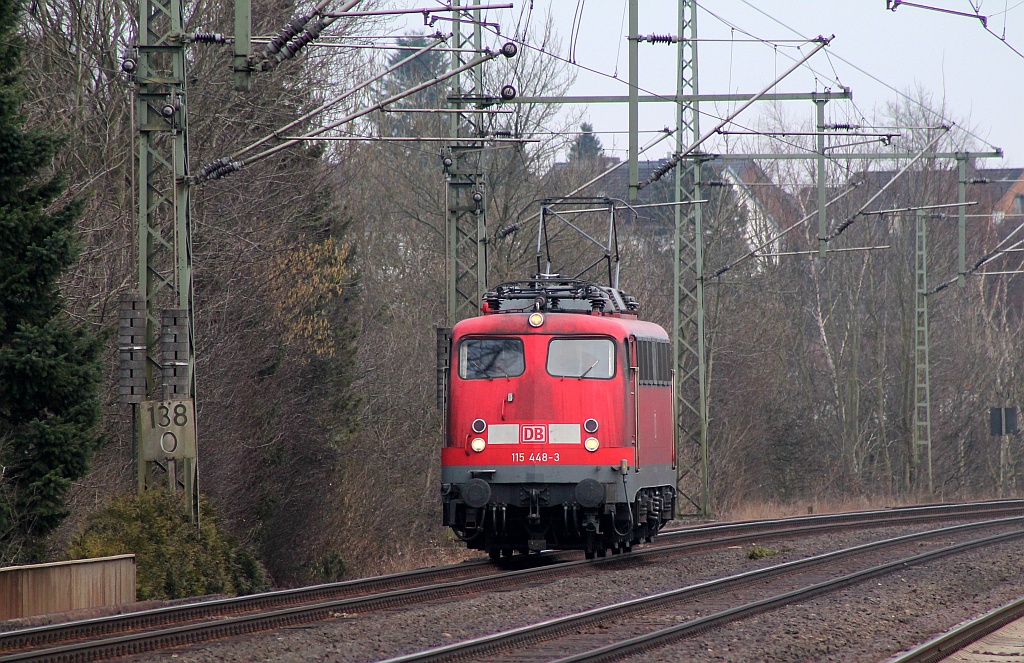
x: 744, y: 173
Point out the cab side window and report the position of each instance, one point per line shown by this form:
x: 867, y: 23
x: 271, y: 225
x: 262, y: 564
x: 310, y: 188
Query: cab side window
x: 655, y: 362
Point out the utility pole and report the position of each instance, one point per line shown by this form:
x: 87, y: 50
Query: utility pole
x: 242, y: 45
x: 157, y: 349
x: 465, y: 188
x: 922, y: 442
x: 688, y: 333
x: 157, y: 335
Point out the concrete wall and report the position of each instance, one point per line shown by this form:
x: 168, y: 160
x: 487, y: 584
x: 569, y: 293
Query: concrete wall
x: 60, y: 586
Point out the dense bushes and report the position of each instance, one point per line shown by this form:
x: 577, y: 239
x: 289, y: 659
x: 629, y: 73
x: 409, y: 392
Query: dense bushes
x: 174, y: 558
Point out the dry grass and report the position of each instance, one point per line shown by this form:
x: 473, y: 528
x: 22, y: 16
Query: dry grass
x: 819, y: 505
x: 763, y: 510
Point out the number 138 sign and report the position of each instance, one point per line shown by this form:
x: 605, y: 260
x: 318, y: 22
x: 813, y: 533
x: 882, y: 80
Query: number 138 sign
x: 167, y: 430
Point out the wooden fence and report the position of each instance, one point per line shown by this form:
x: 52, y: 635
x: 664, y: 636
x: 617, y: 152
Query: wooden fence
x: 40, y: 589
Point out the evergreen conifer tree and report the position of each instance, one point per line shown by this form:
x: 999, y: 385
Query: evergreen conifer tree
x: 587, y: 147
x: 50, y: 369
x: 420, y: 69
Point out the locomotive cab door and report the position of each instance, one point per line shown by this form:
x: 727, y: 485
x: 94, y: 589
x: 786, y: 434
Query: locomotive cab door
x: 651, y: 386
x: 444, y: 366
x: 633, y: 406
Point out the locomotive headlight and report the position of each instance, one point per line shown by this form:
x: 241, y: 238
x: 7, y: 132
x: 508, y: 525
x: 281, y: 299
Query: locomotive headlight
x: 591, y: 444
x: 590, y: 425
x: 479, y: 444
x: 479, y: 426
x: 536, y: 319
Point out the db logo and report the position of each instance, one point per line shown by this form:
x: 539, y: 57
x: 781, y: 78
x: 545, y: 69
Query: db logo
x: 533, y: 434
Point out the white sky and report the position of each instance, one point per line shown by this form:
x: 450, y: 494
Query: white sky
x: 877, y: 53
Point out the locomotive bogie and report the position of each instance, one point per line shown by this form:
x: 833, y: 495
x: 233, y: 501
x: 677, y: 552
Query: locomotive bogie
x: 534, y: 517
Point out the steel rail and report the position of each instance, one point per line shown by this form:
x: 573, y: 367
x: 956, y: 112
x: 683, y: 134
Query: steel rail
x: 146, y: 619
x: 716, y: 533
x: 417, y: 585
x: 902, y: 514
x: 940, y: 648
x: 214, y: 628
x: 672, y: 634
x: 552, y: 628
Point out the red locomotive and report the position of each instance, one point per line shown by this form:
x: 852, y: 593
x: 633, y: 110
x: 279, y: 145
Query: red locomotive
x: 559, y: 431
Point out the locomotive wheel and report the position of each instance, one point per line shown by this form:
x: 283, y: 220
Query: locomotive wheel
x: 591, y: 554
x: 494, y: 554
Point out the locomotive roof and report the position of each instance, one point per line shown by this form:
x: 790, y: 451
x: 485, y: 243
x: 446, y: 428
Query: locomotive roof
x: 570, y: 306
x: 551, y: 292
x: 561, y: 323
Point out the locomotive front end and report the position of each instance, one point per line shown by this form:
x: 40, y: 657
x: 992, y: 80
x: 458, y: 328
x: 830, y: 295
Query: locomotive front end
x: 541, y: 444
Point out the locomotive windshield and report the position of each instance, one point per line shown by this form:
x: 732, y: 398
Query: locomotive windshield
x: 581, y: 358
x: 481, y: 358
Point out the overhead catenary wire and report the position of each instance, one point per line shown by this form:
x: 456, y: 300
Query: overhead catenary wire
x: 841, y: 228
x: 544, y: 51
x: 898, y: 92
x: 832, y: 159
x: 985, y: 259
x: 222, y: 167
x: 753, y: 253
x: 775, y: 43
x: 540, y: 49
x: 439, y: 39
x: 408, y: 139
x: 674, y: 160
x: 507, y: 230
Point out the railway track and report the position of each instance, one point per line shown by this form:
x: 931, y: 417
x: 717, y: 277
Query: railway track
x: 135, y: 633
x: 965, y: 635
x: 615, y: 627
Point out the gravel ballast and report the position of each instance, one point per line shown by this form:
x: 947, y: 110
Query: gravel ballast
x: 868, y: 622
